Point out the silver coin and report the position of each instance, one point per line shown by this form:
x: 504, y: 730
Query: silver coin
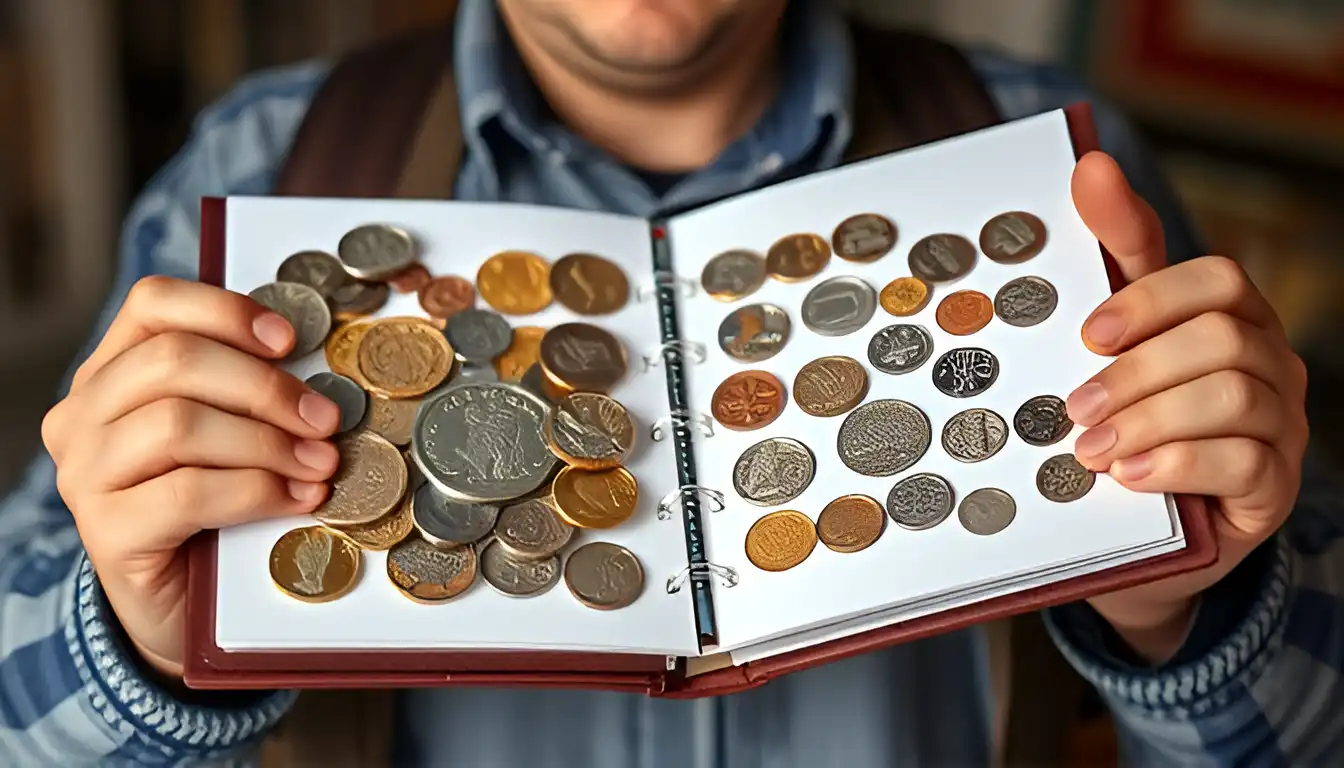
x: 986, y: 511
x: 1043, y: 421
x: 920, y: 502
x: 376, y: 251
x: 348, y: 396
x: 774, y: 471
x: 518, y: 578
x: 754, y: 333
x: 974, y: 435
x: 1061, y: 478
x: 883, y: 437
x: 900, y: 348
x: 531, y: 530
x: 446, y: 522
x: 303, y: 307
x: 482, y: 442
x: 942, y: 258
x: 316, y: 269
x: 478, y: 335
x: 532, y: 381
x: 965, y: 372
x: 839, y: 306
x: 604, y: 576
x: 733, y: 275
x: 1025, y: 301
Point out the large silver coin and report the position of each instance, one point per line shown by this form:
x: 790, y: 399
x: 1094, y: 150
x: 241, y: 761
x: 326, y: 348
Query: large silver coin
x: 920, y: 501
x: 1043, y: 421
x: 900, y: 348
x: 733, y: 275
x: 974, y: 435
x: 531, y: 530
x: 942, y: 258
x: 478, y: 335
x: 482, y: 442
x: 518, y: 578
x: 376, y: 251
x: 839, y: 306
x: 348, y: 396
x: 445, y: 522
x: 774, y: 471
x: 1061, y: 478
x: 1025, y: 301
x: 883, y: 437
x: 965, y: 372
x: 303, y: 307
x: 986, y: 511
x: 316, y: 269
x: 754, y: 333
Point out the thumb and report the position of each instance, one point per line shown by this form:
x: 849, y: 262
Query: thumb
x: 1124, y: 223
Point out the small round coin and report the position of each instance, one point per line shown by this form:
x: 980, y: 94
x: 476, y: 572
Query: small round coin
x: 830, y: 386
x: 345, y: 392
x: 920, y: 502
x: 446, y: 295
x: 425, y: 573
x: 1062, y: 479
x: 604, y: 576
x: 342, y: 348
x: 478, y: 335
x: 523, y: 352
x: 748, y: 400
x: 385, y: 532
x: 446, y: 522
x: 839, y: 306
x: 589, y: 430
x: 355, y: 299
x: 974, y: 435
x: 899, y: 349
x: 794, y: 258
x: 517, y: 578
x: 1042, y: 421
x: 402, y: 357
x: 965, y: 371
x: 410, y: 280
x: 589, y: 284
x: 942, y: 258
x: 314, y: 565
x: 1012, y: 238
x: 595, y: 498
x: 884, y: 437
x: 781, y: 540
x: 532, y: 530
x: 583, y: 357
x: 1026, y: 301
x: 863, y: 238
x: 303, y: 308
x: 774, y: 471
x: 318, y: 270
x: 732, y: 275
x: 368, y: 484
x: 851, y: 523
x: 376, y: 251
x: 905, y: 296
x: 392, y: 420
x: 986, y: 511
x: 964, y: 312
x: 754, y: 333
x: 515, y: 282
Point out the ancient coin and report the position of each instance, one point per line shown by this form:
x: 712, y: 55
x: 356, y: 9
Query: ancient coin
x: 589, y: 284
x: 410, y: 280
x: 425, y: 573
x: 1061, y: 478
x: 774, y: 471
x: 532, y: 530
x: 342, y: 348
x: 354, y: 299
x: 446, y: 295
x: 795, y: 258
x: 1012, y: 238
x: 392, y: 419
x: 385, y: 532
x: 583, y: 357
x: 965, y: 372
x: 595, y: 498
x: 733, y: 274
x: 905, y: 296
x: 589, y: 430
x: 974, y: 435
x: 376, y: 251
x: 446, y: 522
x: 942, y: 258
x: 754, y: 333
x: 523, y: 352
x: 986, y: 511
x: 881, y: 438
x: 401, y: 357
x: 318, y: 270
x: 748, y: 400
x: 517, y: 578
x: 899, y: 349
x: 313, y: 565
x: 781, y: 540
x: 920, y: 501
x: 368, y: 484
x: 345, y: 392
x: 1043, y: 421
x: 1026, y: 301
x: 839, y: 306
x: 863, y: 238
x: 515, y: 282
x: 830, y: 386
x: 604, y: 576
x: 851, y: 523
x: 964, y: 312
x: 303, y: 308
x: 478, y: 335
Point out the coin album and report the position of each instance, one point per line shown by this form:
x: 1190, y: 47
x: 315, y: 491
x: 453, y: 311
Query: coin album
x: 844, y: 426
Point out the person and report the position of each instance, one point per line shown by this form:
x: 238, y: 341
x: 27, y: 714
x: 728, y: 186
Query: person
x: 176, y: 421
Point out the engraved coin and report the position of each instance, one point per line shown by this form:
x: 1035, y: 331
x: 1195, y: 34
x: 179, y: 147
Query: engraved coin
x: 354, y: 299
x: 478, y: 335
x: 830, y: 386
x: 974, y: 435
x: 313, y: 565
x: 518, y: 578
x: 1025, y: 301
x: 303, y: 308
x: 965, y: 372
x: 1043, y: 421
x: 589, y: 430
x: 345, y: 392
x: 446, y: 522
x: 368, y: 484
x: 1061, y: 478
x: 964, y: 312
x: 754, y: 333
x: 532, y: 530
x: 986, y: 511
x: 376, y: 251
x: 748, y: 400
x: 899, y: 349
x: 524, y: 351
x: 905, y: 296
x: 942, y: 258
x: 401, y: 357
x: 920, y: 502
x: 515, y: 282
x: 318, y: 270
x: 410, y: 280
x: 604, y: 576
x: 392, y: 420
x: 733, y: 274
x: 583, y: 357
x: 595, y: 498
x: 1012, y: 238
x: 851, y: 523
x: 774, y: 471
x: 445, y: 296
x: 385, y: 532
x: 839, y: 306
x: 589, y: 284
x: 863, y: 238
x: 795, y: 258
x: 425, y: 573
x: 342, y: 348
x: 781, y: 540
x: 881, y: 438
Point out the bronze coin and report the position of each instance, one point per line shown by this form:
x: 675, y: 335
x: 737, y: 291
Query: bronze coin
x: 795, y: 258
x: 403, y: 357
x: 385, y: 532
x: 864, y: 238
x: 355, y: 299
x: 342, y: 349
x: 964, y: 312
x: 905, y: 296
x: 781, y: 540
x: 748, y: 400
x: 1013, y: 237
x: 830, y: 386
x: 601, y: 498
x: 313, y: 565
x: 582, y: 358
x: 410, y: 280
x: 444, y: 296
x: 427, y: 574
x: 942, y: 258
x: 589, y: 284
x: 851, y: 523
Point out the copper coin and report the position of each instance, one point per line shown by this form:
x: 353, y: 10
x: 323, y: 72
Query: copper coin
x: 401, y: 357
x: 851, y: 523
x: 523, y: 353
x: 604, y: 576
x: 905, y: 296
x: 342, y: 349
x: 1013, y: 237
x: 964, y: 312
x: 582, y: 357
x: 445, y: 296
x: 595, y: 498
x: 942, y: 258
x: 864, y: 238
x: 589, y: 284
x: 385, y: 532
x: 515, y: 283
x: 425, y: 573
x: 830, y: 386
x: 410, y: 280
x: 392, y: 419
x: 313, y: 565
x: 748, y: 400
x: 369, y: 482
x: 589, y: 430
x: 795, y: 258
x: 781, y: 540
x: 355, y: 299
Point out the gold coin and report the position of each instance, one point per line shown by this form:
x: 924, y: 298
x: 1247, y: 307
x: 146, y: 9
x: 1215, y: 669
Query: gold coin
x: 589, y: 284
x: 602, y: 498
x: 582, y: 357
x: 354, y: 299
x: 795, y: 258
x: 385, y: 532
x: 781, y: 540
x: 342, y: 348
x: 604, y: 576
x: 392, y: 419
x: 904, y: 296
x: 515, y: 283
x: 851, y: 523
x: 427, y: 574
x: 830, y: 386
x: 523, y: 352
x: 402, y: 357
x: 589, y: 430
x: 552, y: 390
x: 313, y: 565
x: 369, y: 483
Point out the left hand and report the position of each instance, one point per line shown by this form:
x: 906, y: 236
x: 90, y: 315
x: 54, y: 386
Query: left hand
x: 1204, y: 397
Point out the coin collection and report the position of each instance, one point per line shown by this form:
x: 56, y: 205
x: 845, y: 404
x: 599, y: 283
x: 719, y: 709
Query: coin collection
x: 470, y: 449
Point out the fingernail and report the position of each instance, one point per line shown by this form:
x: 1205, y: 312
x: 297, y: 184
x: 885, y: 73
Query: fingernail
x: 316, y: 454
x: 307, y: 492
x: 1095, y: 441
x: 1105, y: 329
x: 1085, y: 403
x: 1133, y: 468
x: 320, y: 412
x: 272, y: 330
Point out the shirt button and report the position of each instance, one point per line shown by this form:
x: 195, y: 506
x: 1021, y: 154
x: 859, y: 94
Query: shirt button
x: 771, y: 163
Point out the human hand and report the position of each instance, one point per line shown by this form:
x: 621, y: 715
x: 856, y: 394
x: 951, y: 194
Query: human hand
x: 176, y: 424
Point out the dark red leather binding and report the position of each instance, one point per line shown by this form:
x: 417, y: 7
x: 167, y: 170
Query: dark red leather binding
x: 208, y: 666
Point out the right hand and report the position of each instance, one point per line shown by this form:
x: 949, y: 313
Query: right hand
x: 175, y: 424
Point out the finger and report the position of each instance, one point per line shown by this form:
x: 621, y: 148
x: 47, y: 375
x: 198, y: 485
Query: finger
x: 1123, y: 222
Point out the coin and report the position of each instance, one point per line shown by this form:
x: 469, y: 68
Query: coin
x: 974, y: 435
x: 414, y: 477
x: 354, y: 299
x: 345, y: 392
x: 534, y: 381
x: 754, y: 333
x: 313, y: 565
x: 1026, y: 301
x: 318, y: 270
x: 425, y: 573
x: 781, y: 540
x: 368, y: 484
x: 515, y: 282
x: 920, y: 502
x: 1061, y: 478
x: 475, y: 373
x: 410, y: 280
x: 774, y: 471
x: 1012, y: 238
x: 532, y: 530
x: 376, y: 251
x: 1042, y: 421
x: 392, y: 419
x: 830, y: 386
x: 385, y: 532
x: 401, y: 357
x: 986, y: 511
x: 942, y: 258
x: 881, y: 438
x: 523, y: 352
x: 589, y: 284
x: 303, y: 308
x: 795, y: 258
x: 582, y: 357
x: 964, y: 312
x: 899, y: 349
x: 965, y: 372
x: 342, y: 348
x: 595, y: 498
x: 748, y: 400
x: 733, y: 274
x: 839, y: 306
x: 604, y: 576
x: 851, y: 523
x: 904, y: 296
x: 445, y: 296
x: 518, y: 578
x: 446, y: 522
x: 589, y: 430
x: 478, y: 335
x: 863, y: 238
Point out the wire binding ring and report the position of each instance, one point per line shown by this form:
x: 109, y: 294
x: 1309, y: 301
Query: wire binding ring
x: 702, y: 572
x: 681, y: 349
x: 679, y: 495
x: 666, y: 280
x: 680, y: 418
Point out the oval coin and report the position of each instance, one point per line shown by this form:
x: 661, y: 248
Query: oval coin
x: 899, y: 349
x: 774, y: 471
x: 1062, y: 479
x: 478, y: 335
x: 532, y: 530
x: 839, y: 306
x: 942, y: 258
x: 1026, y: 301
x: 595, y: 498
x: 905, y: 296
x: 425, y: 573
x: 986, y: 511
x: 920, y: 502
x: 518, y: 578
x: 1013, y: 237
x: 754, y: 333
x: 965, y: 372
x: 748, y: 400
x: 1043, y: 420
x: 368, y: 484
x: 732, y: 275
x: 349, y: 397
x: 515, y: 283
x: 303, y: 308
x: 604, y: 576
x: 318, y: 270
x: 864, y: 237
x: 781, y: 540
x: 589, y: 284
x: 589, y: 430
x: 884, y: 437
x: 445, y: 296
x: 794, y: 258
x: 830, y: 386
x: 314, y: 565
x: 583, y: 357
x: 403, y: 357
x: 974, y: 435
x: 446, y: 522
x: 376, y: 251
x: 851, y: 523
x: 964, y: 312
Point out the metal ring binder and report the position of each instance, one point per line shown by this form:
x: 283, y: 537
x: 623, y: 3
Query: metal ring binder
x: 678, y: 495
x: 681, y: 418
x: 663, y: 280
x: 702, y: 572
x: 681, y: 349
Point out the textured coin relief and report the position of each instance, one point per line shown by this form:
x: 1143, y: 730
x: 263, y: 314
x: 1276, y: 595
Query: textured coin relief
x: 595, y: 498
x: 884, y: 437
x: 424, y: 573
x: 830, y: 386
x: 851, y: 523
x: 515, y: 577
x: 590, y: 430
x: 964, y: 312
x: 583, y: 357
x: 748, y: 400
x: 781, y: 540
x: 515, y: 283
x: 368, y: 484
x: 905, y: 296
x: 316, y: 269
x: 604, y: 576
x: 920, y: 501
x: 1043, y: 420
x: 1062, y: 479
x: 942, y: 258
x: 314, y: 565
x: 974, y: 435
x: 899, y: 349
x: 774, y: 471
x: 863, y: 238
x: 965, y: 372
x: 531, y: 529
x: 1026, y: 301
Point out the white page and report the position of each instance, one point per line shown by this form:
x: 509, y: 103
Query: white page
x: 252, y: 614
